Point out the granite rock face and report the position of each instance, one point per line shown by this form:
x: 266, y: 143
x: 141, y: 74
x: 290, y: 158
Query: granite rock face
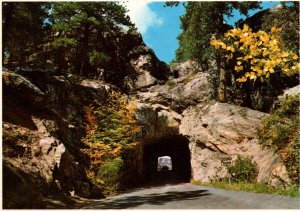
x: 42, y: 138
x: 157, y: 121
x: 144, y: 69
x: 187, y: 85
x: 219, y: 130
x: 44, y: 117
x: 18, y: 84
x: 216, y: 131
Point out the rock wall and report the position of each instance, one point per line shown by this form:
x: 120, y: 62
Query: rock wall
x: 43, y: 123
x: 188, y: 85
x: 215, y: 130
x: 143, y: 69
x: 219, y: 130
x: 146, y: 69
x: 157, y: 121
x: 43, y: 118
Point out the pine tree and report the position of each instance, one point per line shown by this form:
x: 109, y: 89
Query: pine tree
x: 23, y: 26
x: 83, y: 31
x: 288, y: 19
x: 200, y: 22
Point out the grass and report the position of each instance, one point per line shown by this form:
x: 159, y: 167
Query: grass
x: 292, y: 191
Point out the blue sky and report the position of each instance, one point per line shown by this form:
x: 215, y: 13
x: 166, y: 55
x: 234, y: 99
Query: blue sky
x: 163, y: 39
x: 160, y: 25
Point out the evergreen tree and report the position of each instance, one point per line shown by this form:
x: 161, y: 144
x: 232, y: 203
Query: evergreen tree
x: 23, y: 25
x: 201, y: 21
x: 288, y: 19
x: 84, y: 32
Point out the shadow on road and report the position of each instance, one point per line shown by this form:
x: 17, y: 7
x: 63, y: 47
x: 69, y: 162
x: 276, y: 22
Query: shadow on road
x: 151, y: 199
x: 162, y: 178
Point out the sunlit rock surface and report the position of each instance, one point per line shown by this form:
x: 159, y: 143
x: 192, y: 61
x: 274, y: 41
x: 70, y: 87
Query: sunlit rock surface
x: 219, y: 130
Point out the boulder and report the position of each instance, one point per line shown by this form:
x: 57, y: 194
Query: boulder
x: 21, y: 87
x: 17, y: 189
x: 294, y: 91
x: 44, y: 159
x: 157, y: 121
x: 179, y: 93
x: 47, y: 144
x: 179, y: 70
x: 193, y: 89
x: 220, y: 130
x: 145, y: 69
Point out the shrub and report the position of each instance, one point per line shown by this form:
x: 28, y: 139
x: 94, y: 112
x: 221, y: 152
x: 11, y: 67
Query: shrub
x: 280, y: 131
x: 243, y: 170
x: 111, y: 128
x: 110, y: 175
x: 255, y: 187
x: 257, y: 54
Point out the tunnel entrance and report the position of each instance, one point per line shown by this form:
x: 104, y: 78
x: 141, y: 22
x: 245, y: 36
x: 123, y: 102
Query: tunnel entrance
x: 177, y: 147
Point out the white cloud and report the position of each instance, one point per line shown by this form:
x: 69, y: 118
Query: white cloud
x: 141, y: 14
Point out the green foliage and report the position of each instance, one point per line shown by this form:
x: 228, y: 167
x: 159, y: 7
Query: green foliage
x: 255, y: 187
x: 98, y: 58
x: 200, y: 22
x: 80, y: 37
x: 288, y: 19
x: 110, y: 175
x: 243, y: 170
x: 92, y: 25
x: 111, y: 129
x: 280, y: 131
x: 63, y: 42
x: 24, y: 29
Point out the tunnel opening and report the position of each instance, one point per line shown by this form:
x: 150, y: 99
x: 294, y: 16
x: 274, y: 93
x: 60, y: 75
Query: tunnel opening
x: 177, y: 147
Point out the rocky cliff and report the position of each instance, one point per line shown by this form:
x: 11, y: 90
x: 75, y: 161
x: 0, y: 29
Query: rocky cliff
x: 42, y: 130
x: 43, y: 124
x: 216, y: 131
x: 219, y: 130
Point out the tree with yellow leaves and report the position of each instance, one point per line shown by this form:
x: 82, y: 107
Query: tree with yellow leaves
x: 111, y: 128
x: 256, y: 55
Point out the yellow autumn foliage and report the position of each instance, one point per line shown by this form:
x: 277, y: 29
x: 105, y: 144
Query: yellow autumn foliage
x: 111, y: 128
x: 257, y: 55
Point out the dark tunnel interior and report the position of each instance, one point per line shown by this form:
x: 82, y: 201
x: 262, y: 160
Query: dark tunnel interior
x: 177, y: 147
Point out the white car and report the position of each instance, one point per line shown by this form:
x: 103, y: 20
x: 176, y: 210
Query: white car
x: 164, y: 163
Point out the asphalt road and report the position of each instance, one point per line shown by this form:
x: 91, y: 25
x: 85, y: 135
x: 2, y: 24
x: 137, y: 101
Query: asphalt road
x: 188, y: 196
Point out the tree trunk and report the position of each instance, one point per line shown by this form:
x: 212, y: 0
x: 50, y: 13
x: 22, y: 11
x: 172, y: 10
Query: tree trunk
x: 5, y: 27
x: 222, y: 84
x: 84, y: 63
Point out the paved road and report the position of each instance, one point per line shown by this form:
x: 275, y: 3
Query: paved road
x: 188, y: 196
